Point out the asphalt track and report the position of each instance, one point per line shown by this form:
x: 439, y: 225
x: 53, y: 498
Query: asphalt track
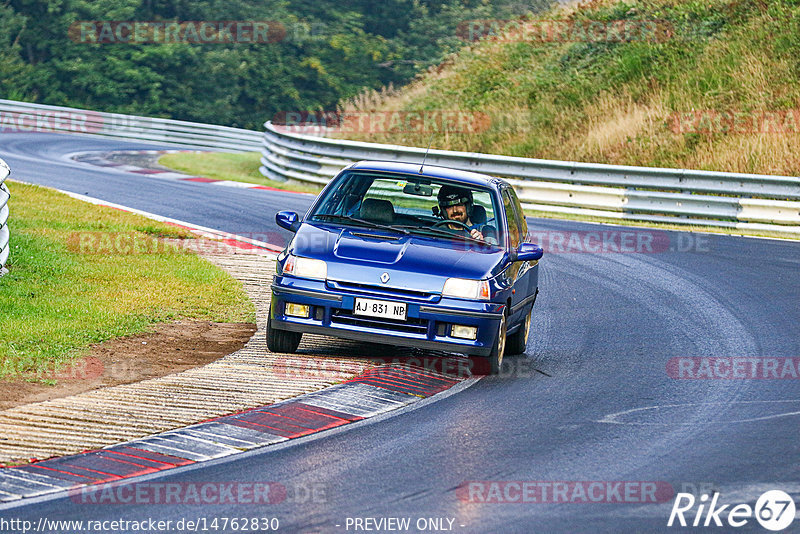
x: 596, y: 399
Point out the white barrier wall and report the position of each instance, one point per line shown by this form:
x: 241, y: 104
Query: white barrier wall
x: 4, y: 212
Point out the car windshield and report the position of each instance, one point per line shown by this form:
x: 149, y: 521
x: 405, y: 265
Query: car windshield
x: 411, y: 204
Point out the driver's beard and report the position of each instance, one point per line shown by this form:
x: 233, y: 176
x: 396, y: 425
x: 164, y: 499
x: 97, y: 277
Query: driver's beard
x: 460, y: 217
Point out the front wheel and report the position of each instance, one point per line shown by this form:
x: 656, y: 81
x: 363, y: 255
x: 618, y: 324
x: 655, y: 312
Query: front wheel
x: 282, y: 341
x: 518, y: 341
x: 498, y: 348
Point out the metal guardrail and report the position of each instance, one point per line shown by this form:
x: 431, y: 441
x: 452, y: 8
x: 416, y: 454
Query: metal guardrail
x: 705, y: 198
x: 27, y: 117
x: 4, y: 212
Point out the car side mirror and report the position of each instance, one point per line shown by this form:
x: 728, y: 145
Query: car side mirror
x: 529, y: 252
x: 288, y: 220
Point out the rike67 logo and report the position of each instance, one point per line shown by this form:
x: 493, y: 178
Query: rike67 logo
x: 774, y: 510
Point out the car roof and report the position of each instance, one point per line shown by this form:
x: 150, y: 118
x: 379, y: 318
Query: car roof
x: 430, y: 171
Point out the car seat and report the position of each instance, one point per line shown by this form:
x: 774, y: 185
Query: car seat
x: 377, y: 210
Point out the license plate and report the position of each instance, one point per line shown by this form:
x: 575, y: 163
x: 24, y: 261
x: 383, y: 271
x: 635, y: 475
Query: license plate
x: 381, y: 308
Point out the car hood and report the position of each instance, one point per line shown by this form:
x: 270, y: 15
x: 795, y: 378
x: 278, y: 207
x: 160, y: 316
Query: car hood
x: 362, y: 255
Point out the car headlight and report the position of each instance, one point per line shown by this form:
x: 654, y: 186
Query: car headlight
x: 305, y: 267
x: 466, y: 289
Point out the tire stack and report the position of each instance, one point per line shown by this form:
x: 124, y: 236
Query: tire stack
x: 4, y: 232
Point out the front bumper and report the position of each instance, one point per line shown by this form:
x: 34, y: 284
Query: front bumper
x: 427, y: 325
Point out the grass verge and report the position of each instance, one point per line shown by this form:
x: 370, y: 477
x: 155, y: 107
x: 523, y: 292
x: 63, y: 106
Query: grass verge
x: 238, y: 167
x: 57, y: 298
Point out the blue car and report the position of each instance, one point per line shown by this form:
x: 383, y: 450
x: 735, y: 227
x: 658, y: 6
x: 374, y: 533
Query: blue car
x: 408, y: 255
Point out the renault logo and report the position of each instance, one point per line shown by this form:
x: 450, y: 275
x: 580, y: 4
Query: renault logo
x: 385, y: 277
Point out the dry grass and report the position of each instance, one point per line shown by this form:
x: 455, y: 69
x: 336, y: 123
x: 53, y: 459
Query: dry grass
x: 777, y: 154
x: 611, y: 124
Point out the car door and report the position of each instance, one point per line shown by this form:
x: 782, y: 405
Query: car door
x: 514, y: 239
x: 521, y: 273
x: 529, y: 271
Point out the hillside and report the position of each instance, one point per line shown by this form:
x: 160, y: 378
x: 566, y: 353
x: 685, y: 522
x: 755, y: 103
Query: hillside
x: 708, y: 85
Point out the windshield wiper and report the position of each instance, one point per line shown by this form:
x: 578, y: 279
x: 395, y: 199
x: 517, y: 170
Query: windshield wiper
x: 397, y: 229
x: 440, y: 231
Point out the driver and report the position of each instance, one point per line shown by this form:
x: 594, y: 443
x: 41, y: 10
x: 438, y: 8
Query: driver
x: 455, y: 204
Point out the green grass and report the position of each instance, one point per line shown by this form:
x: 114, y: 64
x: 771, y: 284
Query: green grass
x: 238, y: 167
x: 56, y: 301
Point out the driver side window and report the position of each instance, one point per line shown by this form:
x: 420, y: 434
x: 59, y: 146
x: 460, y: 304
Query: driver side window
x: 511, y: 217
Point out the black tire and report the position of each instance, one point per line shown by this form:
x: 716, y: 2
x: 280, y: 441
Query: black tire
x: 498, y: 348
x: 518, y: 341
x: 282, y: 341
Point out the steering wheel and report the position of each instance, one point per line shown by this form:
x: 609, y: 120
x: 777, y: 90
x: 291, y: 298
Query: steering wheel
x: 448, y: 222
